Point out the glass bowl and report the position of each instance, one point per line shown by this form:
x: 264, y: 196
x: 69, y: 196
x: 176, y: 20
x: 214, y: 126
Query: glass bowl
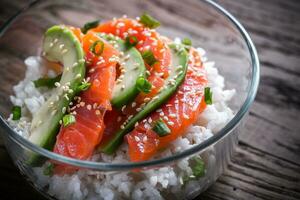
x: 205, y: 22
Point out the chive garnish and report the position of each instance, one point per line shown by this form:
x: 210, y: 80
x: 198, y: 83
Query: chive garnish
x: 161, y: 128
x: 143, y: 85
x: 207, y: 96
x: 89, y: 25
x: 149, y: 21
x: 16, y: 111
x: 94, y: 48
x: 47, y: 82
x: 68, y: 120
x: 84, y: 86
x: 48, y: 170
x: 130, y: 41
x: 186, y: 41
x: 198, y: 167
x: 149, y: 57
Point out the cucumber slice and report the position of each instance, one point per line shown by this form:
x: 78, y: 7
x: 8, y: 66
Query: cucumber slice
x: 176, y: 77
x: 133, y: 67
x: 60, y: 45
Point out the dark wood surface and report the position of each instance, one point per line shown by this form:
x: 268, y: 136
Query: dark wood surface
x: 266, y: 164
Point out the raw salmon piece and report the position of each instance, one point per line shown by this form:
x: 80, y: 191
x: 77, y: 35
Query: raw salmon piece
x: 178, y: 113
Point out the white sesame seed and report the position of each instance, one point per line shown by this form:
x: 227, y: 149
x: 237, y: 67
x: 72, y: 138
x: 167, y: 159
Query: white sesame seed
x: 63, y: 110
x: 170, y: 123
x: 138, y: 109
x: 57, y: 84
x: 147, y: 99
x: 137, y: 138
x: 133, y: 104
x: 61, y: 46
x: 97, y: 112
x: 64, y: 51
x: 95, y: 105
x: 185, y: 116
x: 123, y: 108
x: 136, y: 124
x: 122, y: 126
x: 166, y: 118
x: 51, y: 44
x: 172, y: 115
x: 89, y: 107
x: 82, y: 104
x: 145, y: 139
x: 161, y: 114
x: 60, y: 121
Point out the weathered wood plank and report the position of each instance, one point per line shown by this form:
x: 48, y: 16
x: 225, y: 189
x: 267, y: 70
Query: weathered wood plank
x: 267, y: 162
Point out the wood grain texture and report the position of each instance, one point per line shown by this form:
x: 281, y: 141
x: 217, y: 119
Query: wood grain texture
x: 266, y: 164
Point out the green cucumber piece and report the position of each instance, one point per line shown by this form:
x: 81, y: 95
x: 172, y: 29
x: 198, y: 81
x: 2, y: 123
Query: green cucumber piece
x: 176, y: 77
x: 59, y: 45
x: 132, y: 62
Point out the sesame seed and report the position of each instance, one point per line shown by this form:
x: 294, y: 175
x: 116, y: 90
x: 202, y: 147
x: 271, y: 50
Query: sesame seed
x: 136, y: 124
x: 89, y: 107
x: 166, y: 118
x: 137, y: 138
x: 97, y: 112
x: 122, y: 87
x: 123, y: 108
x: 51, y: 44
x: 161, y: 114
x: 55, y: 40
x: 92, y: 70
x: 130, y: 116
x: 78, y: 75
x: 145, y: 139
x: 82, y: 104
x: 147, y: 99
x: 60, y: 121
x: 63, y: 110
x: 150, y: 120
x: 95, y: 105
x: 61, y: 46
x: 138, y: 109
x: 185, y: 116
x: 66, y: 96
x: 170, y: 123
x: 133, y: 104
x: 74, y: 112
x: 122, y: 126
x: 57, y: 84
x: 172, y: 115
x: 64, y: 51
x: 159, y: 110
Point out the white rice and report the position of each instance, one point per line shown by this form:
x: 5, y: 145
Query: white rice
x: 148, y: 184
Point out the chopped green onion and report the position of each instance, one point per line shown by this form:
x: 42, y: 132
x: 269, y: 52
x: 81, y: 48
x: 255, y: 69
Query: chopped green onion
x: 149, y: 57
x: 89, y: 25
x: 47, y: 82
x: 84, y: 86
x: 149, y: 21
x: 161, y: 128
x: 143, y: 85
x: 131, y: 41
x: 207, y: 96
x: 48, y: 170
x: 68, y: 120
x: 94, y: 45
x: 186, y: 41
x: 16, y: 111
x: 199, y: 167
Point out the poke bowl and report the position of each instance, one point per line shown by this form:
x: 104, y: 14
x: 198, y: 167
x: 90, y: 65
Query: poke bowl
x: 124, y: 99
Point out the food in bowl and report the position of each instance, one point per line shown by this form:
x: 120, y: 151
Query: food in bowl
x: 115, y: 92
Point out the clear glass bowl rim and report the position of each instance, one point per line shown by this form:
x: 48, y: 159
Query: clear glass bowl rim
x: 132, y: 165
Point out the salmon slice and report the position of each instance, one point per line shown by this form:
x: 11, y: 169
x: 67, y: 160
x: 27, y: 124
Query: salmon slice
x: 79, y: 139
x: 148, y: 39
x: 178, y: 113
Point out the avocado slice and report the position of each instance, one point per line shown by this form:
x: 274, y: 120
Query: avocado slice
x: 176, y: 77
x: 132, y: 67
x: 59, y: 45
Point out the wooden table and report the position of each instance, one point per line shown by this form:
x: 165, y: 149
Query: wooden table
x: 266, y: 164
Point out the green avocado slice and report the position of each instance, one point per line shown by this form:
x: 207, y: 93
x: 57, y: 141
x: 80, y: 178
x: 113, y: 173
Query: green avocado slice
x: 133, y: 67
x: 176, y: 77
x: 59, y: 45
